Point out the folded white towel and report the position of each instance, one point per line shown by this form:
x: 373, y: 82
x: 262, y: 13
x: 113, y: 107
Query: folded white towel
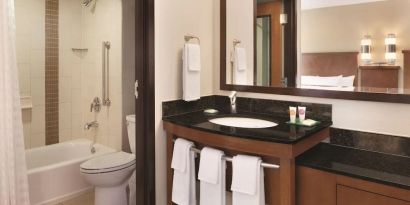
x: 212, y: 170
x: 240, y: 67
x: 247, y: 181
x: 240, y: 58
x: 209, y: 165
x: 191, y: 74
x: 183, y: 163
x: 194, y: 57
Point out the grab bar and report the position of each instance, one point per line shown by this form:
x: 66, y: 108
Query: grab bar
x: 106, y: 73
x: 229, y: 159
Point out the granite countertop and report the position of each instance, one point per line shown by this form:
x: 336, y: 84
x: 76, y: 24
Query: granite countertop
x: 389, y: 169
x: 283, y: 133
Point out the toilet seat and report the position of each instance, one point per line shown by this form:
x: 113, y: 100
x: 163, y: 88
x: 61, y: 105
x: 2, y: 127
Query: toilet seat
x: 108, y: 163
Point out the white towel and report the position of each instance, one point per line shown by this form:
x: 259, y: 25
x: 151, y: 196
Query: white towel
x: 212, y: 170
x: 247, y: 181
x: 191, y: 72
x: 183, y: 163
x: 240, y: 66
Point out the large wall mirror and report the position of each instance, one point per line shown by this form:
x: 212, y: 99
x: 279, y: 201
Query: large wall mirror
x: 347, y: 49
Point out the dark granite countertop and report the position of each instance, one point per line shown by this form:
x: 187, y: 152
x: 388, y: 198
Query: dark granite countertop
x: 283, y: 133
x: 393, y: 170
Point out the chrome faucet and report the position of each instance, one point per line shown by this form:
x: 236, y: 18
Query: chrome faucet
x: 89, y: 125
x: 232, y: 98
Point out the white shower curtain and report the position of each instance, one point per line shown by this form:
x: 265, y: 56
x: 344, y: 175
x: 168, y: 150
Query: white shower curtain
x: 13, y: 173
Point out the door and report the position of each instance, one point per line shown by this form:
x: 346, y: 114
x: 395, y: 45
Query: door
x: 145, y: 102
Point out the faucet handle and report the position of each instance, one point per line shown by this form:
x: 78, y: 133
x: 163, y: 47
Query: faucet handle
x: 95, y: 105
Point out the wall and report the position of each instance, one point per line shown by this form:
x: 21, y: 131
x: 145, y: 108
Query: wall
x: 173, y: 20
x: 30, y: 40
x: 102, y: 23
x: 128, y: 71
x: 321, y: 33
x: 80, y: 72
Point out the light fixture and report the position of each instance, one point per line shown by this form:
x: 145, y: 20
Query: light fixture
x: 283, y: 19
x: 366, y: 49
x: 390, y: 54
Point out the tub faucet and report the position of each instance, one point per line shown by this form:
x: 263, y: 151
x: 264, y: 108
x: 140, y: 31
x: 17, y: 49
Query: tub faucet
x: 89, y: 125
x: 232, y: 98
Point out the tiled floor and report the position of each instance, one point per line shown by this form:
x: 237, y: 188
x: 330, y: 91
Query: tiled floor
x: 85, y: 199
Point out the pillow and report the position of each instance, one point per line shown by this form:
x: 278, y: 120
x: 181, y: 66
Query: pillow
x: 332, y: 81
x: 347, y: 81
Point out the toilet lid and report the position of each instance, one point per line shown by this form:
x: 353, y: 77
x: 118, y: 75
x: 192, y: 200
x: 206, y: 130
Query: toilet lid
x: 109, y: 162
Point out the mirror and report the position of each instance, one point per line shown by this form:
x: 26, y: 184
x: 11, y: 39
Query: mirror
x: 350, y: 46
x: 254, y: 42
x: 344, y: 46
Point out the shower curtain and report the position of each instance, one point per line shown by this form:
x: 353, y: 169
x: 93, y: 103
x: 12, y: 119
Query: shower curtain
x: 13, y: 173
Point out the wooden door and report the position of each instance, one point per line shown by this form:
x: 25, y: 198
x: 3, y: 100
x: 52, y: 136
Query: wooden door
x: 273, y: 9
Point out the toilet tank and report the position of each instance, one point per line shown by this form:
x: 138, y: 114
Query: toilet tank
x: 131, y: 131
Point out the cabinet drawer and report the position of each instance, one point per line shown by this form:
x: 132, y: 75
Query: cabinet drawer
x: 352, y: 196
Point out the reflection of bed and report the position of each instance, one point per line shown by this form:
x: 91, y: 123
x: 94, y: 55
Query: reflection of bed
x: 330, y: 64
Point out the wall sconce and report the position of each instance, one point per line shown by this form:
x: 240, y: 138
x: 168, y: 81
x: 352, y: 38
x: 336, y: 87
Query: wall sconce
x: 390, y: 54
x: 366, y: 49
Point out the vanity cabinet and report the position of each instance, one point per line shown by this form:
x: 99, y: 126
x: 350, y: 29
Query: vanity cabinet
x: 280, y: 184
x: 315, y: 187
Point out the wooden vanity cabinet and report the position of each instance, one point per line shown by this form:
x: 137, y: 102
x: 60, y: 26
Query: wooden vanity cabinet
x: 315, y: 187
x: 280, y: 184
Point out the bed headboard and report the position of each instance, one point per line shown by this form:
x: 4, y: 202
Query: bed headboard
x: 330, y: 64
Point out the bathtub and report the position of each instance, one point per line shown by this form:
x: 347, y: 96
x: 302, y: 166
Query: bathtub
x: 54, y: 171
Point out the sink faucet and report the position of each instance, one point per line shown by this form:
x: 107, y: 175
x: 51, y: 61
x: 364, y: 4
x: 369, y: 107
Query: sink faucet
x: 232, y: 98
x: 89, y: 125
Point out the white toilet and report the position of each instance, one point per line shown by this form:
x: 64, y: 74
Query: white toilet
x: 109, y: 173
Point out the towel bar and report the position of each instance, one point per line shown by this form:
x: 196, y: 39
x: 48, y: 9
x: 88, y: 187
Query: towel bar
x: 229, y: 159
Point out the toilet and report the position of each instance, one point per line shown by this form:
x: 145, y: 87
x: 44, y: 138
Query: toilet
x: 109, y: 173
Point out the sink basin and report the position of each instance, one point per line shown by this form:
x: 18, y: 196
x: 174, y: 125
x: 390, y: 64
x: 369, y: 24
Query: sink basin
x: 243, y: 122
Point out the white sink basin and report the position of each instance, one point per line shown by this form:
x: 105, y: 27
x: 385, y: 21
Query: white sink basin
x: 243, y: 122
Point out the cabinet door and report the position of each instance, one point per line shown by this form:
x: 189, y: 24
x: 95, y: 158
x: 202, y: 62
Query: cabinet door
x: 351, y: 196
x: 314, y: 187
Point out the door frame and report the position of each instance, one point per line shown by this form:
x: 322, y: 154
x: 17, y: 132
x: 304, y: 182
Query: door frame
x: 145, y: 104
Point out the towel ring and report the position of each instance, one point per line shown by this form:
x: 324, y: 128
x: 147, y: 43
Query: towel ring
x: 190, y: 37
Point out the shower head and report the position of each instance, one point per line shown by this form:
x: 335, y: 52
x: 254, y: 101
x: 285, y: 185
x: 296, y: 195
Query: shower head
x: 87, y: 2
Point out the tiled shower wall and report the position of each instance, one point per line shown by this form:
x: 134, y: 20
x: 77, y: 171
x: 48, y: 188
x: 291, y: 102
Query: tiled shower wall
x: 30, y: 40
x: 51, y: 72
x: 79, y: 72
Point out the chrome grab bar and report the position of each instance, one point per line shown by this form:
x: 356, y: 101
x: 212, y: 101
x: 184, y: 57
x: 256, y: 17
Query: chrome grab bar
x: 106, y: 73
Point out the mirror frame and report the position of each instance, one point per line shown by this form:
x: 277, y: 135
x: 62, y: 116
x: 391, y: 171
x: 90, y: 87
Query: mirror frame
x: 290, y: 67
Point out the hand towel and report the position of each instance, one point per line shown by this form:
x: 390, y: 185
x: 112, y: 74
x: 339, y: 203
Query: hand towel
x: 240, y: 66
x: 247, y: 181
x: 212, y: 170
x: 183, y: 163
x: 191, y: 74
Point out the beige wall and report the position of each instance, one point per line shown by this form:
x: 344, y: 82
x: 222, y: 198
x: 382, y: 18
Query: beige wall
x: 174, y: 19
x: 104, y: 23
x: 30, y: 40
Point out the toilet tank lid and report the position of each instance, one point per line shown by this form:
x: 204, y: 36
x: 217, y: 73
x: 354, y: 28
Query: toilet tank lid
x: 131, y: 118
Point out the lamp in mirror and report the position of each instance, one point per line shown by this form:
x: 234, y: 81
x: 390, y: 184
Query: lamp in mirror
x: 366, y: 50
x: 390, y: 54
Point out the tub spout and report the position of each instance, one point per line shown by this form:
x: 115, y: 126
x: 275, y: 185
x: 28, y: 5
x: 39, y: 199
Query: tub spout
x: 89, y: 125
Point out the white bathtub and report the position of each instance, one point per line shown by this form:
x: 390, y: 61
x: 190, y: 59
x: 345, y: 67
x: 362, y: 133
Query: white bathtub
x: 54, y: 170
